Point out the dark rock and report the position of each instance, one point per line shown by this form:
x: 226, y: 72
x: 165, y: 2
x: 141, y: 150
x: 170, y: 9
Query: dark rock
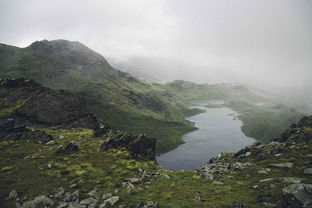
x: 138, y: 145
x: 37, y: 106
x: 39, y: 202
x: 100, y: 130
x: 69, y: 149
x: 297, y: 195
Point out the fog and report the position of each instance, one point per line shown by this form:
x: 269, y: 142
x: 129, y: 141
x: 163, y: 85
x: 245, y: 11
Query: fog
x: 264, y: 43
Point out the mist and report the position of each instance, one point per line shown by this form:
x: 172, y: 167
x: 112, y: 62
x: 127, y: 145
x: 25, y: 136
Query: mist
x: 264, y: 43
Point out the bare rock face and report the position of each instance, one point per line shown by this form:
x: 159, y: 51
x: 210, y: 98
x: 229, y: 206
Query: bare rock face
x: 138, y: 145
x: 25, y: 103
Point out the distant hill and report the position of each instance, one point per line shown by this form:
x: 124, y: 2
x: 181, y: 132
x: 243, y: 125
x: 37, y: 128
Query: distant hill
x: 127, y: 103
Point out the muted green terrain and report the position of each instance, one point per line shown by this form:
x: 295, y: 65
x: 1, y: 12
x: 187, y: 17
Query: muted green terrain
x: 31, y: 168
x: 126, y: 103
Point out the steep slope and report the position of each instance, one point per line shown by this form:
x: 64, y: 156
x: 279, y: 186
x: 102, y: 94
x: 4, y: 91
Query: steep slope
x: 116, y: 98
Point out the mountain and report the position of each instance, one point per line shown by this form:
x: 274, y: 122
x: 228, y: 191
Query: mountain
x: 75, y: 168
x: 129, y: 104
x: 116, y: 98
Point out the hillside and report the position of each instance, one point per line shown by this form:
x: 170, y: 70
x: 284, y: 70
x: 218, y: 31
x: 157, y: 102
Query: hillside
x: 62, y: 163
x: 126, y: 103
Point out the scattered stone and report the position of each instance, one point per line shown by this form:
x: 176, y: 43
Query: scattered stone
x: 266, y: 180
x: 89, y: 201
x: 264, y: 171
x: 52, y: 142
x: 73, y: 186
x: 272, y: 186
x: 255, y: 186
x: 290, y: 180
x: 62, y: 205
x: 298, y: 195
x: 95, y: 194
x: 197, y: 197
x: 76, y: 205
x: 219, y: 183
x: 106, y: 196
x: 282, y: 165
x: 269, y: 205
x: 308, y: 171
x: 60, y: 193
x: 61, y: 137
x: 112, y: 201
x: 38, y: 202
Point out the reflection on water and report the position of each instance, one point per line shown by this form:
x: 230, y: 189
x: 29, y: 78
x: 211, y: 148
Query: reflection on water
x: 217, y: 132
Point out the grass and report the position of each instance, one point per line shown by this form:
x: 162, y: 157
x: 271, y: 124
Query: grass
x: 25, y: 167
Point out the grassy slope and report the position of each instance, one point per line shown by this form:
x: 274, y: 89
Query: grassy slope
x: 261, y: 122
x: 24, y: 167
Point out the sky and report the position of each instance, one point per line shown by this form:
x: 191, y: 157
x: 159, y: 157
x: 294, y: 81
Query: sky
x: 267, y: 43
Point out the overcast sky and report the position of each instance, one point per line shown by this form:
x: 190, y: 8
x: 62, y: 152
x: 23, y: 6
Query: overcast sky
x: 266, y: 42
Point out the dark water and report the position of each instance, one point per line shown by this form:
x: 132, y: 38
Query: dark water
x: 217, y: 132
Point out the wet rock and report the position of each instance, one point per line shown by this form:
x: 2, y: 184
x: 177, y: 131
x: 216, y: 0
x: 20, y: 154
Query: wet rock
x: 297, y: 195
x: 282, y: 165
x: 69, y: 149
x: 138, y: 145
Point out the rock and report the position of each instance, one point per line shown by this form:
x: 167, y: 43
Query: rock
x: 52, y: 142
x: 62, y: 205
x: 67, y: 197
x: 247, y: 154
x: 290, y: 180
x: 75, y: 205
x: 140, y: 205
x: 297, y: 195
x: 308, y: 171
x: 39, y: 202
x: 166, y: 176
x: 282, y: 165
x: 89, y: 201
x: 60, y: 193
x: 69, y: 149
x: 219, y: 183
x: 95, y: 194
x: 264, y: 171
x: 269, y: 205
x: 75, y: 195
x: 106, y: 196
x: 135, y: 180
x: 12, y: 195
x: 100, y: 130
x: 138, y: 145
x: 112, y: 201
x: 266, y: 180
x: 197, y: 197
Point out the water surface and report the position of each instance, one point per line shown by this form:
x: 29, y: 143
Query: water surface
x: 217, y: 132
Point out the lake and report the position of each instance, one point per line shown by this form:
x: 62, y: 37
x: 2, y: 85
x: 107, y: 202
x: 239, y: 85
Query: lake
x: 218, y: 131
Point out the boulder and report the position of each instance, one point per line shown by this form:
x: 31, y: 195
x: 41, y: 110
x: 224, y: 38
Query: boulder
x: 138, y: 145
x: 297, y: 195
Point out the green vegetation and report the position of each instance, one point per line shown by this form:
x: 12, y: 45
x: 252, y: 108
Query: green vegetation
x: 32, y: 168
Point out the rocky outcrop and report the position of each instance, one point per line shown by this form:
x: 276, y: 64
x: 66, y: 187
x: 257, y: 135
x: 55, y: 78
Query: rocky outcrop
x: 300, y: 132
x: 297, y: 195
x: 25, y: 103
x: 137, y: 145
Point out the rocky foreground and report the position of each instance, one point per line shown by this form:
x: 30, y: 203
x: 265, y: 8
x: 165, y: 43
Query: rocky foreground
x: 68, y: 162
